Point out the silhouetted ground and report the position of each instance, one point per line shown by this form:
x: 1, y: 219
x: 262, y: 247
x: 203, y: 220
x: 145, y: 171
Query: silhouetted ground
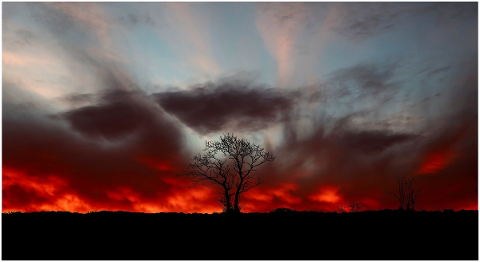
x: 385, y: 235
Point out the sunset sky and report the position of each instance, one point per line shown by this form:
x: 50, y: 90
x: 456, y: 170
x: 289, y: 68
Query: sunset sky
x: 104, y: 103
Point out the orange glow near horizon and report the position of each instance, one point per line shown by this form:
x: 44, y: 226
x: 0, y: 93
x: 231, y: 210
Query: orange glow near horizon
x: 43, y: 186
x: 327, y: 195
x: 57, y: 196
x: 282, y: 193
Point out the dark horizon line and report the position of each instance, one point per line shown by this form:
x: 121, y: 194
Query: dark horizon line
x: 274, y: 211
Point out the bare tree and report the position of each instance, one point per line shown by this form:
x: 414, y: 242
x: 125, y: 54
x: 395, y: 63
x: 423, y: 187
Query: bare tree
x: 231, y: 164
x: 341, y: 209
x: 355, y: 207
x: 406, y: 193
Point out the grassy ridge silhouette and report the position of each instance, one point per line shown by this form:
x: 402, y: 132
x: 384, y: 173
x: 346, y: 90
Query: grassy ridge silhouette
x: 280, y: 234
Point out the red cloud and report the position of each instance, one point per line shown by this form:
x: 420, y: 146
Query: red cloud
x: 326, y: 195
x: 435, y: 162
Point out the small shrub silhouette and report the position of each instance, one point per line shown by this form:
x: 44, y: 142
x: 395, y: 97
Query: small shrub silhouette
x: 283, y: 210
x: 353, y: 207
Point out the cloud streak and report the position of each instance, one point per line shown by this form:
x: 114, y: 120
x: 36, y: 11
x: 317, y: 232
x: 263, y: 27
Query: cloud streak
x: 279, y: 25
x: 192, y: 35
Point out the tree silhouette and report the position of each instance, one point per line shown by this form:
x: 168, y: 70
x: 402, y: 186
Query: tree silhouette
x: 231, y: 165
x: 406, y: 193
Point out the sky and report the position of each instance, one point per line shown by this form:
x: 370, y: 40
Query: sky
x: 103, y: 104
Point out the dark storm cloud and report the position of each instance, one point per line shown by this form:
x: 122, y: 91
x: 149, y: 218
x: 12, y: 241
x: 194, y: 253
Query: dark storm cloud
x: 335, y: 136
x: 111, y: 120
x: 122, y: 111
x: 374, y: 141
x: 212, y: 108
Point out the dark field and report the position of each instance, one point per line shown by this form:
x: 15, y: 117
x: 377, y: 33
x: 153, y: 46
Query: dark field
x: 384, y: 235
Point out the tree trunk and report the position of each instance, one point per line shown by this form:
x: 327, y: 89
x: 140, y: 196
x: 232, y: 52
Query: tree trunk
x: 236, y: 207
x: 228, y: 203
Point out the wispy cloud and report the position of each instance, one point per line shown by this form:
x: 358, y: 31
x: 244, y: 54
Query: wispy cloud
x: 89, y: 15
x: 192, y: 36
x: 279, y: 25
